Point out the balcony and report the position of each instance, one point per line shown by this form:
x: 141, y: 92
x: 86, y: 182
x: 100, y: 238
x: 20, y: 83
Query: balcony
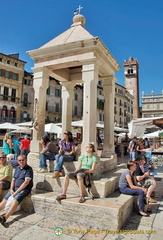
x: 26, y: 104
x: 7, y: 119
x: 9, y: 98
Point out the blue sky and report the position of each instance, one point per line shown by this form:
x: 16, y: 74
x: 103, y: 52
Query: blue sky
x: 129, y: 28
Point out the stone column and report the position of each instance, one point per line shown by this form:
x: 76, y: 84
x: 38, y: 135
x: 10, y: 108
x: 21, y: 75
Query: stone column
x: 67, y: 98
x: 41, y: 83
x: 109, y: 94
x: 90, y: 79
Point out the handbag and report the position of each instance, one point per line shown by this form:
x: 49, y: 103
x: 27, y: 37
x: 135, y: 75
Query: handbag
x: 9, y: 202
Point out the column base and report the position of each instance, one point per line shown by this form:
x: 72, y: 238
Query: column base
x: 108, y: 154
x: 33, y: 160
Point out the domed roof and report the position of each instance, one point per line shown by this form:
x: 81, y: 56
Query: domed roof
x: 79, y: 19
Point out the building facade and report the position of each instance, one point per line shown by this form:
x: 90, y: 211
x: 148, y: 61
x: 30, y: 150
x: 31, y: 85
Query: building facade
x: 27, y: 99
x: 17, y: 97
x: 11, y: 82
x: 152, y: 105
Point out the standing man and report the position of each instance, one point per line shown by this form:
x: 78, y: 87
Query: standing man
x: 25, y: 146
x: 132, y: 147
x: 21, y: 186
x: 5, y: 172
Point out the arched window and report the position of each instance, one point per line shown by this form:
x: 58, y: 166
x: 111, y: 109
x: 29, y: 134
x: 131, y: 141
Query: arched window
x: 25, y: 100
x: 12, y: 112
x: 4, y: 112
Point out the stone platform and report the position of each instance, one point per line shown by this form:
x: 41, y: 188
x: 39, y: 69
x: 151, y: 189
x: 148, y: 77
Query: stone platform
x: 103, y: 187
x: 110, y: 213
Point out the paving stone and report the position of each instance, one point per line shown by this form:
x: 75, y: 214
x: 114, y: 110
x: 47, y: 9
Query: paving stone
x: 36, y: 232
x: 32, y: 218
x: 12, y: 228
x: 72, y: 229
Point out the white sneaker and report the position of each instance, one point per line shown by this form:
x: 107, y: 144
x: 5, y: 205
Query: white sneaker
x: 39, y: 169
x: 43, y: 170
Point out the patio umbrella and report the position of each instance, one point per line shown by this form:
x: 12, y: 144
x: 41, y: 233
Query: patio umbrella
x: 9, y: 126
x: 53, y: 128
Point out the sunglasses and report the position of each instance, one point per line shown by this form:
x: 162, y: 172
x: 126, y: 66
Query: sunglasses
x: 21, y: 160
x: 65, y: 133
x: 2, y: 157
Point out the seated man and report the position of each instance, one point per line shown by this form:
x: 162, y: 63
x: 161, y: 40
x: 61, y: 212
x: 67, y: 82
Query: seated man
x: 6, y: 171
x: 21, y: 186
x: 12, y: 161
x: 49, y: 150
x: 144, y: 179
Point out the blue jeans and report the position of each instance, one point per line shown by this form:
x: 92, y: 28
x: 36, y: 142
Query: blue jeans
x: 43, y: 157
x: 137, y: 192
x: 24, y: 152
x: 132, y: 155
x: 60, y: 161
x: 20, y: 196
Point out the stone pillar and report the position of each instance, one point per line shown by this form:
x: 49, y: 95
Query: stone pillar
x: 41, y: 83
x: 67, y: 98
x: 109, y: 94
x: 90, y: 79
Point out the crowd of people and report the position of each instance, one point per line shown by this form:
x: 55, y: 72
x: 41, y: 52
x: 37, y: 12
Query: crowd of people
x: 15, y: 145
x: 13, y: 158
x: 136, y: 180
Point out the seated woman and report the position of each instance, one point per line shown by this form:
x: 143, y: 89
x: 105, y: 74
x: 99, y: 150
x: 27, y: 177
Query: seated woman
x: 87, y: 164
x: 127, y: 185
x: 67, y: 149
x: 49, y: 151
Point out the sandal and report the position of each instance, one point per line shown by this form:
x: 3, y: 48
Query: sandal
x: 81, y: 200
x: 2, y: 219
x: 62, y: 196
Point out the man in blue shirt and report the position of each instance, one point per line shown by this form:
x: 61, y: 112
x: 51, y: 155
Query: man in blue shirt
x: 21, y: 186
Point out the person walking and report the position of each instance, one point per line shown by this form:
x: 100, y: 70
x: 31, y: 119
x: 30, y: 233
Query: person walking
x: 7, y: 144
x: 25, y: 146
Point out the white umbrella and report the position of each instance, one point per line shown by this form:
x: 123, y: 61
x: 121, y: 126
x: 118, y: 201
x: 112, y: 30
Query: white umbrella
x: 22, y: 130
x: 153, y: 134
x: 25, y: 124
x: 9, y: 126
x: 53, y: 128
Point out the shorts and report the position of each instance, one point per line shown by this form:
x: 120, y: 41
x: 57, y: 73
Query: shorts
x: 73, y: 175
x: 146, y: 183
x: 5, y: 184
x: 20, y: 196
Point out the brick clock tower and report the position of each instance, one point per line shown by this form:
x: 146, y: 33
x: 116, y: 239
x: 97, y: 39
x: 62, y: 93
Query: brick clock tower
x: 131, y: 72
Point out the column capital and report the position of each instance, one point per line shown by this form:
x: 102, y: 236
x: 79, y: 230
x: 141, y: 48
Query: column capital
x: 41, y: 77
x: 68, y: 85
x: 90, y: 67
x: 108, y: 80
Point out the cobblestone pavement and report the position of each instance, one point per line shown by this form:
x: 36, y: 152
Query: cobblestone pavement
x: 25, y: 226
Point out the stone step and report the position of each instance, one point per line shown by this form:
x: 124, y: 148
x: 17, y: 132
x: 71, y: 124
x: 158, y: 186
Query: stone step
x: 105, y: 213
x: 100, y: 187
x: 26, y: 205
x: 103, y: 165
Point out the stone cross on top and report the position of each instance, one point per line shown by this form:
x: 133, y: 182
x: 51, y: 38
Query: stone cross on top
x: 79, y: 9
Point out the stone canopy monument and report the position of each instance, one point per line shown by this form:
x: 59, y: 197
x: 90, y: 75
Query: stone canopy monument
x: 74, y: 57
